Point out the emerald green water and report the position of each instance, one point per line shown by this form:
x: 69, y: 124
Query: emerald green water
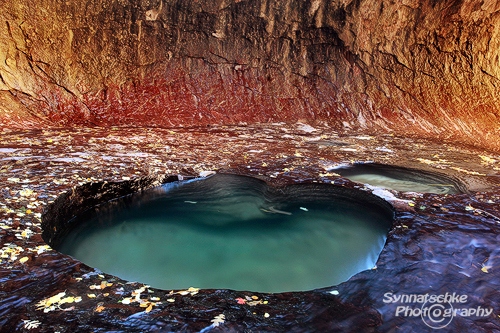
x: 233, y: 232
x: 400, y: 179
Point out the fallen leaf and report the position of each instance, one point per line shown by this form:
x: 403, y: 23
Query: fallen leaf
x: 487, y: 160
x: 23, y: 260
x: 105, y: 284
x: 42, y: 248
x: 190, y: 290
x: 69, y: 299
x: 220, y: 319
x: 51, y: 300
x: 29, y: 324
x: 126, y: 300
x: 485, y: 268
x: 26, y: 192
x: 55, y: 302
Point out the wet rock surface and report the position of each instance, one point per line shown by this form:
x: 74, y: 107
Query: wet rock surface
x: 428, y: 68
x: 438, y: 243
x: 413, y: 84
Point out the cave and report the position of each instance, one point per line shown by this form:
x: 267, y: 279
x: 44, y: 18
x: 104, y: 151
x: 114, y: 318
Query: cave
x: 105, y: 99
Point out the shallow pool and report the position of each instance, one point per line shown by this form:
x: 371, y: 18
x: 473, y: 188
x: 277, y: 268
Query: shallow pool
x: 400, y: 179
x: 233, y: 232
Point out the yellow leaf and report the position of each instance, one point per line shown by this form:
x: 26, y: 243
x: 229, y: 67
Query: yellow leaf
x: 26, y: 233
x: 26, y: 192
x: 91, y: 296
x: 104, y: 284
x: 487, y: 160
x: 150, y: 307
x: 23, y: 260
x: 218, y: 320
x: 190, y: 290
x: 46, y: 303
x: 69, y: 299
x: 99, y: 308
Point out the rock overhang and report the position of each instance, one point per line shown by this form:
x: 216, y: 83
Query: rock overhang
x: 427, y: 69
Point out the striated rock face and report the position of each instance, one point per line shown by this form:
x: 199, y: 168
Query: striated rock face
x: 424, y: 67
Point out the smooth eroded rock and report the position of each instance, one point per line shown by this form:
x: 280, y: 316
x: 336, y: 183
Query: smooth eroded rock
x: 427, y: 68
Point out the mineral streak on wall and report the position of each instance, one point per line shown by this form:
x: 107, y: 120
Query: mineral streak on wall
x: 423, y: 67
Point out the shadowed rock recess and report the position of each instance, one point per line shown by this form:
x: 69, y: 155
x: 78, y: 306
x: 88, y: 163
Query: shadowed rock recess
x: 424, y: 67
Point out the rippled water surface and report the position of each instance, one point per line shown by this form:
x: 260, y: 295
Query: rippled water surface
x: 400, y: 179
x: 233, y: 232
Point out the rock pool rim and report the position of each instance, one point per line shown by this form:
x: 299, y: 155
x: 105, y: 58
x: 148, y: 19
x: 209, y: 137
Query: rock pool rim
x: 57, y: 218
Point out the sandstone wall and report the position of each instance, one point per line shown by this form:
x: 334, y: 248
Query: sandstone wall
x: 423, y: 67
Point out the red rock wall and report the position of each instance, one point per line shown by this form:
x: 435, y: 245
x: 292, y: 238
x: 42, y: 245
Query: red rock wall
x: 422, y: 67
